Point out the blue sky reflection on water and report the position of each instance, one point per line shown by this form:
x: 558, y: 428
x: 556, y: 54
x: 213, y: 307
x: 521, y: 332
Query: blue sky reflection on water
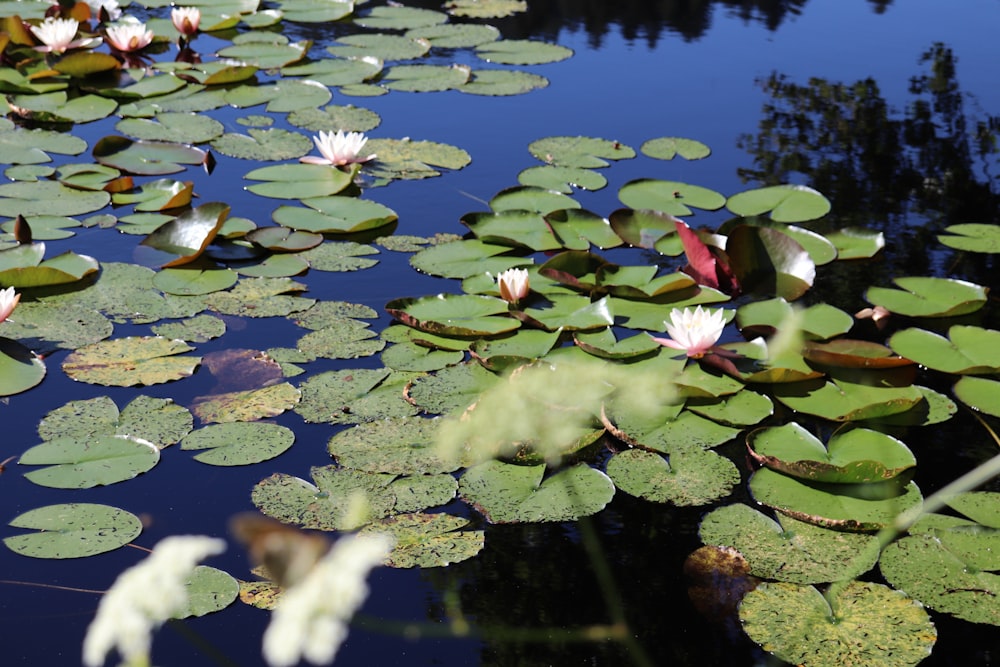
x: 623, y: 90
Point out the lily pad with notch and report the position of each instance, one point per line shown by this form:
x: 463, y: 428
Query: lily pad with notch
x: 921, y: 296
x: 73, y: 530
x: 73, y: 463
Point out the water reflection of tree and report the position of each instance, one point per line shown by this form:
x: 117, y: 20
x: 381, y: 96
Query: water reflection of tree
x: 907, y: 173
x: 847, y: 142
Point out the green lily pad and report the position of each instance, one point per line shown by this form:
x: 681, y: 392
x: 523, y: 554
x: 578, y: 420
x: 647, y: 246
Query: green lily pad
x: 341, y: 499
x: 853, y: 456
x: 48, y: 198
x: 22, y: 146
x: 465, y: 258
x: 408, y: 159
x: 266, y: 54
x: 158, y: 195
x: 506, y: 493
x: 485, y: 9
x: 246, y: 405
x: 62, y: 325
x: 354, y: 396
x: 379, y: 47
x: 208, y: 590
x: 333, y: 117
x: 527, y: 198
x: 73, y: 530
x: 562, y: 179
x: 744, y: 408
x: 412, y: 357
x: 856, y: 243
x: 299, y: 181
x: 146, y: 158
x: 846, y: 401
x: 400, y: 18
x: 689, y: 479
x: 83, y: 464
x: 967, y: 350
x: 404, y: 445
x: 156, y: 420
x: 131, y: 361
x: 853, y: 507
x: 604, y: 344
x: 789, y: 550
x: 666, y: 148
x: 56, y: 107
x: 920, y: 296
x: 451, y: 389
x: 972, y: 237
x: 454, y: 314
x: 195, y: 280
x: 197, y: 329
x: 20, y: 369
x: 862, y: 624
x: 187, y: 235
x: 174, y: 127
x: 523, y: 346
x: 335, y: 215
x: 979, y: 393
x: 429, y: 540
x: 957, y: 587
x: 309, y: 11
x: 238, y: 443
x: 819, y: 322
x: 335, y: 72
x: 581, y: 152
x: 785, y: 203
x: 670, y: 197
x: 343, y: 339
x: 263, y: 144
x: 425, y: 78
x: 517, y: 227
x: 522, y: 52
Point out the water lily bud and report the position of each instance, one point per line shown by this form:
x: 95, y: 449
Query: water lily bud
x: 513, y: 285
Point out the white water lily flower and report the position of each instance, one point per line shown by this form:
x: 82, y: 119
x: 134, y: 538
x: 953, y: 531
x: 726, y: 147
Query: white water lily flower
x: 143, y: 597
x: 513, y: 285
x: 128, y: 36
x: 57, y: 35
x: 311, y: 618
x: 8, y: 301
x: 109, y: 6
x: 338, y: 149
x: 693, y: 331
x: 186, y: 19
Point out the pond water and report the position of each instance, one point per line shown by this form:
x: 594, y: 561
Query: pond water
x: 639, y: 70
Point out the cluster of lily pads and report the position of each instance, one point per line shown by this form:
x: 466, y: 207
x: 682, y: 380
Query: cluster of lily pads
x: 553, y: 315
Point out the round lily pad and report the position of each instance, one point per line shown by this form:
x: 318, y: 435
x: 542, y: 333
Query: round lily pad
x: 429, y: 540
x: 73, y: 530
x: 400, y: 446
x: 208, y: 590
x: 688, y: 479
x: 20, y: 369
x: 238, y: 443
x: 522, y: 52
x: 126, y: 362
x: 921, y: 296
x: 861, y: 624
x: 98, y: 461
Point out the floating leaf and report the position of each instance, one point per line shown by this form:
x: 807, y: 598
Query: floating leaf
x: 425, y: 78
x: 238, y: 443
x: 208, y: 590
x: 263, y: 145
x: 856, y: 243
x: 581, y: 152
x: 522, y: 52
x: 354, y: 396
x: 379, y: 47
x: 846, y: 401
x: 131, y: 361
x: 83, y: 464
x: 967, y: 350
x: 972, y: 237
x: 246, y: 406
x: 785, y: 203
x: 670, y: 197
x: 666, y: 148
x: 691, y: 478
x: 853, y: 456
x: 789, y: 550
x: 404, y: 445
x: 454, y: 315
x: 176, y: 127
x: 506, y: 493
x: 429, y: 540
x: 496, y: 83
x: 921, y: 296
x: 298, y: 181
x: 20, y: 369
x: 73, y: 530
x: 854, y: 507
x: 187, y: 235
x: 979, y: 393
x: 146, y: 158
x: 862, y: 624
x: 335, y: 215
x: 48, y: 198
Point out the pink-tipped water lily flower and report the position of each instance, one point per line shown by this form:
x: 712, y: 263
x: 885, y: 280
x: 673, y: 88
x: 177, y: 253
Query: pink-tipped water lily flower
x: 8, y: 301
x: 338, y: 149
x: 186, y: 19
x: 693, y: 331
x: 128, y: 36
x: 57, y: 36
x: 513, y: 285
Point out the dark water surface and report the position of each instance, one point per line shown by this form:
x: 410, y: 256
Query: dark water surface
x: 641, y: 70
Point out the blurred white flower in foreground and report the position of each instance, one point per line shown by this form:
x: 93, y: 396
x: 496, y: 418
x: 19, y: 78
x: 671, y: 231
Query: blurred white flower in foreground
x: 694, y: 331
x: 109, y: 6
x: 56, y: 36
x: 128, y: 35
x: 143, y: 597
x: 186, y: 19
x: 338, y: 149
x: 8, y: 301
x: 311, y: 618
